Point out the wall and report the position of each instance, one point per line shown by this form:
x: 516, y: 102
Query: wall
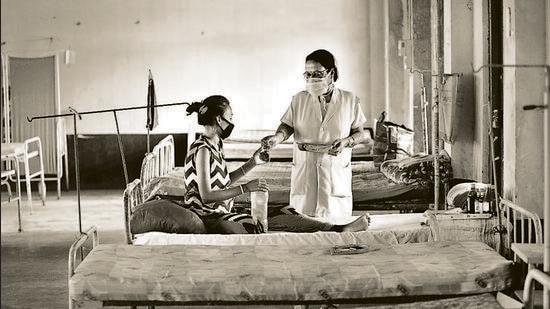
x: 458, y: 54
x: 251, y: 51
x: 523, y: 130
x: 421, y: 67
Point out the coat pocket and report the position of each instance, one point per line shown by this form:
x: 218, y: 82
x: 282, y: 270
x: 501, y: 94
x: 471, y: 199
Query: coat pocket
x: 298, y: 181
x: 340, y: 173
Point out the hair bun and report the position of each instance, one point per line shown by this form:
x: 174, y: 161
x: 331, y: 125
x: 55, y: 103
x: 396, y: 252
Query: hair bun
x: 193, y: 108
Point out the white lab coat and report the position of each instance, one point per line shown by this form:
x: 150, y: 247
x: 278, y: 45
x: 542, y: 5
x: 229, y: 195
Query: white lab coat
x: 321, y: 183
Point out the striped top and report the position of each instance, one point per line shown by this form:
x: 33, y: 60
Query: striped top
x: 219, y: 177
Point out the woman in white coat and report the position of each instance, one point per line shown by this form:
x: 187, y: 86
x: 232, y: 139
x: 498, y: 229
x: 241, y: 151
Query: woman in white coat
x: 326, y: 122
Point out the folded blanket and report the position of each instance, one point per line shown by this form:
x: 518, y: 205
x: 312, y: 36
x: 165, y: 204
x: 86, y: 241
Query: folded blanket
x: 417, y: 169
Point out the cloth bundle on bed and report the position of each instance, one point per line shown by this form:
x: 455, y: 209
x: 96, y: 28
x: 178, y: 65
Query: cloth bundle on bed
x: 417, y: 169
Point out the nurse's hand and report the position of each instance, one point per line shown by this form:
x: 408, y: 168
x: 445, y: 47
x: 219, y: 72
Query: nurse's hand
x: 338, y: 145
x: 259, y: 184
x: 271, y: 141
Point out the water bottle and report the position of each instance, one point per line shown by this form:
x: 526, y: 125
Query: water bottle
x: 258, y: 201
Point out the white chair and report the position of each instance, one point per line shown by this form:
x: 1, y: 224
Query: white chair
x: 29, y: 150
x: 61, y: 156
x: 61, y: 160
x: 10, y: 172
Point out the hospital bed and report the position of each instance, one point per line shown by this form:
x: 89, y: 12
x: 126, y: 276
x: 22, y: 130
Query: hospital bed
x: 160, y: 178
x: 268, y: 269
x: 372, y: 190
x: 256, y: 274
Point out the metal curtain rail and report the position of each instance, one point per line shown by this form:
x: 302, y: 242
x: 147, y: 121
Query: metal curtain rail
x: 104, y: 111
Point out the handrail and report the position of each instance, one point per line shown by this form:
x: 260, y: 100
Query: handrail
x: 538, y: 276
x: 77, y: 244
x: 132, y: 197
x: 533, y: 217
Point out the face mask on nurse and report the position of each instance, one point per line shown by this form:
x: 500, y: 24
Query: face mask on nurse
x: 318, y: 82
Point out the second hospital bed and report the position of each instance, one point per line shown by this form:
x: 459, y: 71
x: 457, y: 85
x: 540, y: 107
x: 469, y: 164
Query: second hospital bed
x: 372, y: 189
x: 159, y: 177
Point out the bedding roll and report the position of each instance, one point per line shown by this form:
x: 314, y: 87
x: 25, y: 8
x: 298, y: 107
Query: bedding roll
x: 165, y: 216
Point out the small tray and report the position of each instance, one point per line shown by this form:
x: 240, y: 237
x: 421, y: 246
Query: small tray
x: 350, y: 249
x: 314, y: 147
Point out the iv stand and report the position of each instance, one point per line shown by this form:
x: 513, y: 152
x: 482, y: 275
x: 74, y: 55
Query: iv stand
x: 74, y: 114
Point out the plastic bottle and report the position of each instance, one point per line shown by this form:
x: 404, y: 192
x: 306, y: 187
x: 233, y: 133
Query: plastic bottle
x: 258, y: 201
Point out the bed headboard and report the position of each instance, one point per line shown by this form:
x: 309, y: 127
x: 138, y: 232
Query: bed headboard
x: 159, y: 162
x: 164, y: 151
x: 133, y: 196
x: 524, y: 226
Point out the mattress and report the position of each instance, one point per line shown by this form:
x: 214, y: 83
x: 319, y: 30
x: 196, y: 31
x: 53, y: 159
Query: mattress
x: 272, y: 274
x: 384, y: 229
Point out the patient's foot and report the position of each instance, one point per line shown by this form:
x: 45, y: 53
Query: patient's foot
x: 359, y: 224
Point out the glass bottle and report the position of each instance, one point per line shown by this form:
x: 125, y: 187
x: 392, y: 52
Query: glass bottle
x: 472, y: 199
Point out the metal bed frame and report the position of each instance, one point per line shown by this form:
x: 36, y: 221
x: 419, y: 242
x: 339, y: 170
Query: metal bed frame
x: 510, y: 213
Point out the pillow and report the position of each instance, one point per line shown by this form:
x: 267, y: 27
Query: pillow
x: 168, y: 185
x: 165, y: 216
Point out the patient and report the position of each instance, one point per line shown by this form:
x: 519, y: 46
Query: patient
x: 209, y: 192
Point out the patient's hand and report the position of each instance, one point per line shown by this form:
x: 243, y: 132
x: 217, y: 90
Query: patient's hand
x: 261, y: 156
x: 259, y: 184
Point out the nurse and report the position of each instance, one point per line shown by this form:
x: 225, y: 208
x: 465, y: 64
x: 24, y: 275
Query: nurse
x: 326, y: 122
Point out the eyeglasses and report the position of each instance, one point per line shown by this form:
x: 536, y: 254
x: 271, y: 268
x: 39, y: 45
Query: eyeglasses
x: 315, y: 74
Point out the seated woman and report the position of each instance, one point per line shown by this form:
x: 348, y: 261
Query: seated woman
x: 209, y: 193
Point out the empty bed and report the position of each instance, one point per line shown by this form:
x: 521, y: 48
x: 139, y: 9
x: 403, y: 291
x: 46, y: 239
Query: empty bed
x: 116, y: 274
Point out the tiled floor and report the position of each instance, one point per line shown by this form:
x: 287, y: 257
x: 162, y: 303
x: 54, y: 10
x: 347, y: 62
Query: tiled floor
x: 34, y: 261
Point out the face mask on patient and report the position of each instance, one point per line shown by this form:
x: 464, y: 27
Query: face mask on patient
x: 227, y: 131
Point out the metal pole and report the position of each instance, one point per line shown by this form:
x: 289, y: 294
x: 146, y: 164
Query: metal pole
x: 121, y: 149
x: 546, y: 265
x: 148, y: 141
x: 77, y: 173
x: 546, y: 261
x: 436, y: 13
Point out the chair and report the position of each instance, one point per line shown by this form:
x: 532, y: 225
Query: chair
x: 29, y: 150
x: 10, y: 172
x: 61, y: 156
